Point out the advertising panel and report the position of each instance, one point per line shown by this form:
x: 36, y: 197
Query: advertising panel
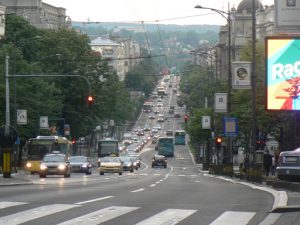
x: 205, y: 122
x: 221, y: 102
x: 241, y: 78
x: 283, y: 73
x: 287, y: 13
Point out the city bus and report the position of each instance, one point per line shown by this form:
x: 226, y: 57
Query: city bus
x: 36, y: 148
x: 108, y: 148
x: 165, y: 146
x: 179, y: 137
x: 147, y: 107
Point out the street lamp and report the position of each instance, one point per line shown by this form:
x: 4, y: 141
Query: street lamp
x: 227, y: 16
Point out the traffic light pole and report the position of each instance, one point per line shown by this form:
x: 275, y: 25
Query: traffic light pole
x: 7, y: 111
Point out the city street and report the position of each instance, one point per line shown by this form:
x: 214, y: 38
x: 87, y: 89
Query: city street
x: 178, y: 194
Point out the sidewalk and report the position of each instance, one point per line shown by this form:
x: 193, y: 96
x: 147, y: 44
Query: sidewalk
x: 19, y: 178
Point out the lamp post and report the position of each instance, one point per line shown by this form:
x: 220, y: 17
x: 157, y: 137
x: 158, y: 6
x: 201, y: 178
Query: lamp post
x: 227, y: 16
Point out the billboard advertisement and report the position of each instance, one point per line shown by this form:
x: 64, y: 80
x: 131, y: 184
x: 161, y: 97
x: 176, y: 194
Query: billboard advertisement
x: 287, y: 13
x: 283, y: 73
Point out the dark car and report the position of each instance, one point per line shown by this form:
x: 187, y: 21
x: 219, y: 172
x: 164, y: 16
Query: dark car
x: 136, y: 161
x: 159, y: 160
x: 55, y: 164
x: 169, y: 133
x: 80, y: 164
x: 127, y: 163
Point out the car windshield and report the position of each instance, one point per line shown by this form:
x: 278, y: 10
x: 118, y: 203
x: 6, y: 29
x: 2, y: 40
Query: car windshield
x: 54, y: 158
x: 78, y: 159
x: 125, y: 159
x: 110, y: 159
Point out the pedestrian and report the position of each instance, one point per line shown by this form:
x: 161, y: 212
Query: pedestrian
x: 267, y: 163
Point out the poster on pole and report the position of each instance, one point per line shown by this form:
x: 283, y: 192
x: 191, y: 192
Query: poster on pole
x: 205, y: 122
x: 44, y: 122
x: 221, y: 102
x: 241, y: 78
x: 21, y: 116
x: 230, y: 126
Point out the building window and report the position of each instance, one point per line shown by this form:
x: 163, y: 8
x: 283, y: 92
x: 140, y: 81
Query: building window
x: 291, y: 3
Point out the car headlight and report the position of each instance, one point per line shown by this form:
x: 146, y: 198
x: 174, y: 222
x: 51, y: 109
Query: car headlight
x: 84, y: 165
x: 28, y: 165
x: 61, y: 167
x: 43, y: 167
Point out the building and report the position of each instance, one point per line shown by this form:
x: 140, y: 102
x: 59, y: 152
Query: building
x: 2, y: 21
x: 113, y: 52
x: 38, y: 14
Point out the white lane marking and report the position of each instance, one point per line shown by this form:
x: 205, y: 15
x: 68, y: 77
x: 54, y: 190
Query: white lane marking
x: 10, y: 204
x: 152, y: 185
x: 270, y: 219
x: 35, y: 213
x: 93, y: 200
x: 138, y: 190
x: 157, y: 182
x: 100, y: 216
x: 169, y: 216
x: 233, y: 218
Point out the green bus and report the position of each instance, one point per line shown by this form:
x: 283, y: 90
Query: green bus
x: 165, y: 146
x: 179, y: 137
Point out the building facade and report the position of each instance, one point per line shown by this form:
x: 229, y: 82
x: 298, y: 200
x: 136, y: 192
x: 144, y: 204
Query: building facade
x: 2, y: 21
x: 38, y: 14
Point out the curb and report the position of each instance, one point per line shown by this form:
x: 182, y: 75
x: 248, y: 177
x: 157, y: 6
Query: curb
x: 280, y: 197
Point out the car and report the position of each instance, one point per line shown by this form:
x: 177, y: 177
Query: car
x: 159, y: 104
x: 155, y: 139
x: 177, y: 114
x: 288, y: 168
x: 151, y: 116
x: 159, y: 160
x: 160, y: 118
x: 127, y: 164
x: 140, y: 132
x: 136, y: 161
x: 159, y: 100
x: 80, y: 164
x: 147, y: 127
x: 154, y: 130
x: 157, y: 127
x: 55, y: 164
x: 156, y: 110
x: 169, y: 133
x: 111, y: 165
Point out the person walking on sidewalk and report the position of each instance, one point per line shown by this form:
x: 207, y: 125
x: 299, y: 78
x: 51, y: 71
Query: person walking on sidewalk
x: 267, y: 163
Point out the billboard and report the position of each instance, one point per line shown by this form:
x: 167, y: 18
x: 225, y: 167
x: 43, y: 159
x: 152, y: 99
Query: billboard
x: 287, y: 13
x: 283, y: 73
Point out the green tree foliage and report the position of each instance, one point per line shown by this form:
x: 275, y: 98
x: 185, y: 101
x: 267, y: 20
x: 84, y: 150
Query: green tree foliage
x: 59, y: 52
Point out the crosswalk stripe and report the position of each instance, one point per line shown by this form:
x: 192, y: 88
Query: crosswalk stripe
x: 169, y: 216
x: 100, y: 216
x: 31, y: 214
x: 233, y: 218
x: 4, y: 205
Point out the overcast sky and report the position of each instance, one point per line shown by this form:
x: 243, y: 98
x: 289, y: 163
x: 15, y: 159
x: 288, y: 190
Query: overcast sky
x: 163, y: 11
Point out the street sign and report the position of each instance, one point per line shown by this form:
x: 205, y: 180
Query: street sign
x: 205, y: 122
x: 230, y: 127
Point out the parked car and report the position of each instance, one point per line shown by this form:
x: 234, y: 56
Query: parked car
x: 80, y: 164
x: 159, y: 160
x: 111, y: 165
x: 55, y: 164
x: 289, y: 165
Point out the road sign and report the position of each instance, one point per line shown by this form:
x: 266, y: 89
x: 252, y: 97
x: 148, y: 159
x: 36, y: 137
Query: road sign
x: 230, y: 127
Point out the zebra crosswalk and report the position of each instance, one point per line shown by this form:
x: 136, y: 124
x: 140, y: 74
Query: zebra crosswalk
x: 102, y: 215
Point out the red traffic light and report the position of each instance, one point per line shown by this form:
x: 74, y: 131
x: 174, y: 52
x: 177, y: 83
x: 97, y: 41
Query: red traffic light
x: 90, y: 100
x: 73, y: 141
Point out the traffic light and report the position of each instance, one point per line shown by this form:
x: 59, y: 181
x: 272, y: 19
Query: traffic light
x: 73, y: 141
x: 218, y: 142
x: 90, y: 100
